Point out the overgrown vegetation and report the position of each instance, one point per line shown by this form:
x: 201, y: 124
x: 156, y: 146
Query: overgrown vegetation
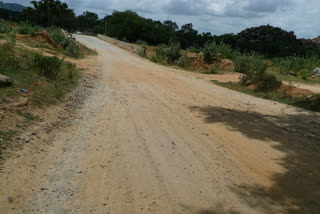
x: 25, y: 28
x: 297, y: 66
x: 67, y: 43
x: 47, y: 79
x: 170, y: 53
x: 4, y: 26
x: 48, y: 67
x: 143, y: 51
x: 212, y: 49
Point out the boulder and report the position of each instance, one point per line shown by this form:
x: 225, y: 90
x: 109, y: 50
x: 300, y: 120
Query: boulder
x: 316, y: 72
x: 5, y: 81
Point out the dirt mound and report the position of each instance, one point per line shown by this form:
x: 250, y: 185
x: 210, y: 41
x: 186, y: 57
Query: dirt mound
x: 199, y: 62
x: 226, y: 64
x: 45, y: 37
x: 151, y: 51
x: 41, y: 37
x: 291, y: 90
x: 294, y: 91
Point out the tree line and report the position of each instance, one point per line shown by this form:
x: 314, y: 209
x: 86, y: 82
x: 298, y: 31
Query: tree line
x: 129, y: 26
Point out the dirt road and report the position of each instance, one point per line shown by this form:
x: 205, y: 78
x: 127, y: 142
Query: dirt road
x: 152, y: 139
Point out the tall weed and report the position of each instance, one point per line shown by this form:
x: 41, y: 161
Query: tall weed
x: 4, y: 27
x: 48, y: 66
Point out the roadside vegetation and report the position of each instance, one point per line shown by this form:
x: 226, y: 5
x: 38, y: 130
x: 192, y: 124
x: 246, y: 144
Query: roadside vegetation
x: 35, y: 72
x: 46, y: 78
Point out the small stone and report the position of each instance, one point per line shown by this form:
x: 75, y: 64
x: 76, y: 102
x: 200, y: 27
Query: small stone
x: 5, y: 81
x: 10, y: 200
x: 27, y: 140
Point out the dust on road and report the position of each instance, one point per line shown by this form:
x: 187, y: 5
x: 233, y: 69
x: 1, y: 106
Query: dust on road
x: 152, y: 139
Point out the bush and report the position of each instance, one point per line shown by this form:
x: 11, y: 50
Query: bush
x: 214, y: 69
x: 247, y: 62
x: 68, y: 44
x: 25, y: 28
x: 182, y: 62
x: 7, y: 58
x: 4, y: 27
x: 209, y: 52
x: 56, y: 34
x: 141, y: 42
x: 71, y: 47
x: 48, y: 66
x: 254, y: 67
x: 172, y: 52
x: 160, y: 51
x: 297, y: 65
x: 143, y: 51
x: 213, y: 49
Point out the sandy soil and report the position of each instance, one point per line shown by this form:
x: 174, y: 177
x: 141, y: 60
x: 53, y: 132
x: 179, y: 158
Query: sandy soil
x: 151, y: 139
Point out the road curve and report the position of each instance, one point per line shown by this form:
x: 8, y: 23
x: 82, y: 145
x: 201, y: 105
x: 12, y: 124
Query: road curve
x: 152, y: 139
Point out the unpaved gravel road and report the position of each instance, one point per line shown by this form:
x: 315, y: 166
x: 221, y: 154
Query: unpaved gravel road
x: 152, y: 139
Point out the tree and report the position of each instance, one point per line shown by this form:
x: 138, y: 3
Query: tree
x: 187, y: 35
x: 50, y: 13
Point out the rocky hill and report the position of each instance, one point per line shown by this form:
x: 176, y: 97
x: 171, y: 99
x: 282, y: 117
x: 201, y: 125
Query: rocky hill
x: 273, y: 42
x: 316, y: 40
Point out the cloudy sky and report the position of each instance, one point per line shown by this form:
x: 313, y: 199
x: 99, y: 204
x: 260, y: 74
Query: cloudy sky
x: 216, y: 16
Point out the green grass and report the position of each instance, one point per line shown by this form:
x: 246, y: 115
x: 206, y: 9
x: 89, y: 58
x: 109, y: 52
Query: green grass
x: 36, y: 44
x: 312, y: 104
x: 289, y: 77
x: 20, y: 65
x: 194, y: 50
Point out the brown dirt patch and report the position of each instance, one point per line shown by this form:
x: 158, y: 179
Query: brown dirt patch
x: 199, y: 62
x: 294, y: 91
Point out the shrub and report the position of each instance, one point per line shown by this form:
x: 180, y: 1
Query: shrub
x: 242, y: 64
x: 71, y: 47
x: 213, y: 49
x: 266, y: 82
x: 154, y: 59
x: 57, y: 35
x: 209, y: 52
x: 11, y: 43
x: 68, y: 44
x: 254, y: 67
x: 160, y: 51
x: 172, y: 52
x: 297, y: 65
x: 7, y: 58
x: 48, y: 66
x: 214, y: 69
x: 143, y: 51
x: 141, y: 42
x: 4, y: 27
x: 182, y: 62
x: 25, y: 28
